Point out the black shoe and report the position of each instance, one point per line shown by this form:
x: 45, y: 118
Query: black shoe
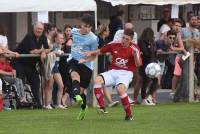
x: 129, y: 118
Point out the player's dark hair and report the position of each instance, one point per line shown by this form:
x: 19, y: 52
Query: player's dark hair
x: 171, y: 32
x: 129, y: 32
x: 87, y: 19
x: 67, y: 26
x: 177, y: 21
x: 147, y: 35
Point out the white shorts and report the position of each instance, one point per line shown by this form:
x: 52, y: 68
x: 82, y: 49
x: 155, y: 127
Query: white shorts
x: 114, y: 77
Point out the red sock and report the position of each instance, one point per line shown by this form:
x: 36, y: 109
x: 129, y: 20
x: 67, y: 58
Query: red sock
x: 99, y: 96
x: 126, y: 105
x: 1, y: 103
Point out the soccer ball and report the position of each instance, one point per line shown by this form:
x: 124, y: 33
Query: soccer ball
x: 153, y: 70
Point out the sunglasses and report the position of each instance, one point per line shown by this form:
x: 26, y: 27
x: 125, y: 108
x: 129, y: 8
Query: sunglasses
x: 172, y: 38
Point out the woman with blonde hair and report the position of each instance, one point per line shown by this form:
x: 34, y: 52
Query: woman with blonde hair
x: 58, y: 40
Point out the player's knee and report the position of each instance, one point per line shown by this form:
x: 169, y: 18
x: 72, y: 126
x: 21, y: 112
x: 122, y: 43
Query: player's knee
x: 98, y: 80
x: 75, y: 76
x: 121, y: 88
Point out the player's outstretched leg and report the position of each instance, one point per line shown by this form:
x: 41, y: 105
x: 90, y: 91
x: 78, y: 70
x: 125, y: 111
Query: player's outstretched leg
x: 100, y: 98
x: 76, y: 92
x: 83, y: 111
x: 127, y: 107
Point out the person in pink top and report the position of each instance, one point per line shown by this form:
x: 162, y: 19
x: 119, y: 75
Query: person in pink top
x: 126, y: 59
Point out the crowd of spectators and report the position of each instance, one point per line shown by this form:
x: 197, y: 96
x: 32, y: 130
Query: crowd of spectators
x: 47, y: 74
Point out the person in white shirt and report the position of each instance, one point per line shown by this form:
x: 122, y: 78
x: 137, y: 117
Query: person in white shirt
x: 119, y: 33
x: 164, y: 29
x: 4, y: 41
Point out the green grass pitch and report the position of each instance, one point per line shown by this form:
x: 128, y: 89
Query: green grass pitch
x: 178, y: 118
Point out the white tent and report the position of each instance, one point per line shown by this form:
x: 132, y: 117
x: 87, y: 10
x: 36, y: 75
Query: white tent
x: 153, y: 2
x: 47, y: 5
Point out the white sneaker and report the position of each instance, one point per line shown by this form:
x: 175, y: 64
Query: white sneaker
x: 148, y: 101
x: 113, y: 104
x: 131, y: 101
x: 184, y: 57
x: 48, y: 107
x: 60, y: 107
x: 171, y: 94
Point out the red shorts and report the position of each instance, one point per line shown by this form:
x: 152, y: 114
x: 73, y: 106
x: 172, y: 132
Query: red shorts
x: 177, y: 68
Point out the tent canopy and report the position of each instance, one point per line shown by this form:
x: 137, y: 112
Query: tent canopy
x: 152, y: 2
x: 46, y: 5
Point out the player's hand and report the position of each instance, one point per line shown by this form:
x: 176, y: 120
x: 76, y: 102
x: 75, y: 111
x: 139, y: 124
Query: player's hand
x: 81, y: 61
x: 172, y: 47
x: 16, y: 54
x: 14, y: 73
x: 60, y: 52
x: 43, y: 56
x: 87, y: 54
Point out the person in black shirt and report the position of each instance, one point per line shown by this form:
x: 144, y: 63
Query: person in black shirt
x: 115, y: 24
x: 63, y: 65
x: 164, y: 20
x: 148, y: 50
x: 27, y: 69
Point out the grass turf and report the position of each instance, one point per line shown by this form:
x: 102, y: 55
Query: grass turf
x: 179, y: 118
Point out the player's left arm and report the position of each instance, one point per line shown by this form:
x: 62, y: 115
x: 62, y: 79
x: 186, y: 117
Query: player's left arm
x: 137, y: 58
x: 87, y: 59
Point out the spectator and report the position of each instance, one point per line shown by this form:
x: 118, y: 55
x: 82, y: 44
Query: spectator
x: 1, y: 96
x: 198, y: 23
x: 8, y: 74
x: 165, y: 28
x: 49, y: 31
x: 165, y: 46
x: 148, y: 53
x: 191, y: 31
x: 115, y: 24
x: 33, y: 43
x: 66, y: 47
x: 4, y: 42
x: 164, y: 20
x: 119, y: 33
x: 179, y: 57
x: 58, y: 40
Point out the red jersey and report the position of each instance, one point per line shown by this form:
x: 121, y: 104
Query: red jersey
x: 122, y: 57
x: 5, y: 66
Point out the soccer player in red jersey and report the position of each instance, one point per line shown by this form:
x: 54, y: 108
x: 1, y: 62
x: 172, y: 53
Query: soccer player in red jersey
x: 125, y: 60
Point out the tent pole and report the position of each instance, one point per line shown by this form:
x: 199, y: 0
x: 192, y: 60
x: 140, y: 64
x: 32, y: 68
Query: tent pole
x: 95, y: 15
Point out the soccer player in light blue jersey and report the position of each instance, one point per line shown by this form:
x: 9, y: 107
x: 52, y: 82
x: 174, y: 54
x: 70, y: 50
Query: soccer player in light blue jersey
x: 80, y: 67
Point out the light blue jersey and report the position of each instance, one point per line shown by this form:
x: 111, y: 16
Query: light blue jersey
x: 83, y: 43
x: 187, y: 33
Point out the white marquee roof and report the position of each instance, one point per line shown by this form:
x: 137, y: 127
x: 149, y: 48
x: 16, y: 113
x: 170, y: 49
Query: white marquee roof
x: 46, y: 5
x: 153, y: 2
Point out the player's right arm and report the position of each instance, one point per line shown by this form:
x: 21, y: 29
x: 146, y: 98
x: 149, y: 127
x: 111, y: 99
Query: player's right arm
x: 104, y: 49
x: 91, y: 53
